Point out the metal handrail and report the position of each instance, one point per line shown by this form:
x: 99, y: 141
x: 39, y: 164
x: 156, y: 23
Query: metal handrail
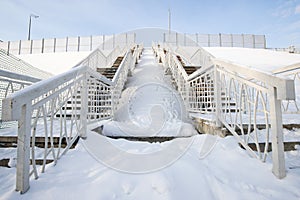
x: 240, y: 98
x: 90, y: 96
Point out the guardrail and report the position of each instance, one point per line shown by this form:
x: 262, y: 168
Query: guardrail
x: 293, y: 72
x: 241, y: 99
x: 68, y: 44
x: 62, y: 106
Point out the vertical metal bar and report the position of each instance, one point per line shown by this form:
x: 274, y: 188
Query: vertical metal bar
x: 253, y: 39
x: 20, y: 46
x: 91, y: 43
x: 43, y: 45
x: 217, y: 96
x: 23, y: 149
x: 220, y: 39
x: 78, y: 44
x: 84, y: 107
x: 54, y: 45
x: 103, y: 41
x: 8, y: 47
x: 31, y: 43
x: 243, y: 40
x: 277, y: 136
x: 265, y: 42
x: 67, y: 43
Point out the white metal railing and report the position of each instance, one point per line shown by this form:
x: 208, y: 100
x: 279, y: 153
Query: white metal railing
x: 293, y: 72
x: 9, y: 83
x: 62, y: 106
x: 68, y: 44
x: 243, y: 100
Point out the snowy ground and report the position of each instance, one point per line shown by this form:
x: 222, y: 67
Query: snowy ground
x: 260, y: 59
x: 55, y: 63
x: 197, y: 167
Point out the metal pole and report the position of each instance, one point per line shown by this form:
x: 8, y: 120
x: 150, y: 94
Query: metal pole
x: 29, y: 28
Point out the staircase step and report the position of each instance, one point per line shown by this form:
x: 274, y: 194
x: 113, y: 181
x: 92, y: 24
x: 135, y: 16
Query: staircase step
x: 5, y: 162
x: 11, y: 141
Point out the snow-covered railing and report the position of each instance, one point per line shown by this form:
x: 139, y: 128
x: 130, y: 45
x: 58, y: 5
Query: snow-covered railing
x: 242, y: 99
x: 293, y: 72
x: 9, y: 83
x: 62, y: 106
x: 97, y: 59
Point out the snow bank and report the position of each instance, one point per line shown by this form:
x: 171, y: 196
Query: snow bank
x: 55, y: 63
x: 261, y: 59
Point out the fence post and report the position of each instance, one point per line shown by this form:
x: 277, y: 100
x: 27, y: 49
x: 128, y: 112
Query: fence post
x: 78, y: 44
x: 31, y: 43
x: 265, y: 42
x: 91, y: 43
x: 103, y: 41
x: 23, y: 150
x: 220, y: 39
x: 231, y: 37
x: 217, y: 96
x: 277, y: 135
x: 243, y: 38
x: 43, y: 45
x: 67, y: 43
x: 54, y: 45
x: 253, y: 38
x: 84, y: 107
x: 208, y: 41
x: 20, y: 46
x: 8, y: 47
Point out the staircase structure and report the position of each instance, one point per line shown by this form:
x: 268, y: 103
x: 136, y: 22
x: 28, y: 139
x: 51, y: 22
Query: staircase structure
x: 239, y: 99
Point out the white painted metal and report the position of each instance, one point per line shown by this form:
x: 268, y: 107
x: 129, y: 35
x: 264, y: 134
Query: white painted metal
x: 242, y: 99
x: 62, y: 105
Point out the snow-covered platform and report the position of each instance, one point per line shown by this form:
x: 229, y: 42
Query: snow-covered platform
x: 260, y: 59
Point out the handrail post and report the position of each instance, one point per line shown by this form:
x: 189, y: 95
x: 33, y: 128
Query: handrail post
x: 84, y: 107
x: 217, y: 96
x: 277, y: 135
x: 23, y: 150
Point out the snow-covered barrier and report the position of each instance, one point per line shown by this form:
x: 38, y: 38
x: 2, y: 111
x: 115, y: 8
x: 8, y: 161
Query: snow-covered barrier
x: 63, y: 106
x: 240, y: 98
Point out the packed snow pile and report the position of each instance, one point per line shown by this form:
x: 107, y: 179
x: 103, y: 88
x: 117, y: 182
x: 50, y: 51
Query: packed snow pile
x: 149, y: 105
x: 55, y: 63
x: 261, y: 59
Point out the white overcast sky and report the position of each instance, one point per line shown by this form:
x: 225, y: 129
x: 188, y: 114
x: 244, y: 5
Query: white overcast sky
x: 279, y: 20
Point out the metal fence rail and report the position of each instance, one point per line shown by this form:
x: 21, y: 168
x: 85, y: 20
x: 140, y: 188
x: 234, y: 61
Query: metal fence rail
x: 241, y: 99
x: 216, y: 40
x: 62, y: 106
x: 68, y: 44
